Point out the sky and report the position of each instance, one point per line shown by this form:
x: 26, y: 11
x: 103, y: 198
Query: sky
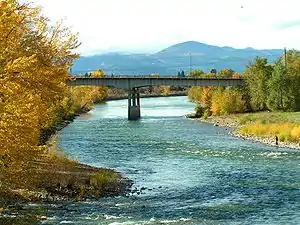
x: 148, y: 26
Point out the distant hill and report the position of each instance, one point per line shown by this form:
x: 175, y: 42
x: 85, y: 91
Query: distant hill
x: 175, y: 58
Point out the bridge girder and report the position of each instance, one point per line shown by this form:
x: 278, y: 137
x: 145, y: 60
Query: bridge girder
x: 129, y: 83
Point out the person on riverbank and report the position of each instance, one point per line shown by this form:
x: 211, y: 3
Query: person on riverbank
x: 276, y: 140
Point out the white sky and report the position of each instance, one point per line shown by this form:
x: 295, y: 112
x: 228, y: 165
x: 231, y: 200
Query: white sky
x: 151, y: 25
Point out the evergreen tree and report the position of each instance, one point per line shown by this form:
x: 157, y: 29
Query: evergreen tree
x: 182, y: 73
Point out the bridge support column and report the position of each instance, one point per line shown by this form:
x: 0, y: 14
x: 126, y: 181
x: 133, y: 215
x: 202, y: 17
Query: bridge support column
x: 134, y: 110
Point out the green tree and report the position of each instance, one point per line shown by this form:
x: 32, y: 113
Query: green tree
x: 226, y: 73
x: 257, y: 76
x: 279, y: 89
x: 182, y: 73
x: 293, y: 70
x: 213, y: 71
x: 196, y: 73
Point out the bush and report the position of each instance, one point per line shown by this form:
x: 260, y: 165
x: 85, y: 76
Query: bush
x: 206, y: 114
x: 199, y: 111
x: 106, y: 180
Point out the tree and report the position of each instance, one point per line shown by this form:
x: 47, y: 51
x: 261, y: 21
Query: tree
x: 98, y: 73
x: 279, y: 97
x: 257, y: 75
x: 293, y: 72
x: 196, y: 73
x: 225, y: 73
x: 228, y: 100
x: 213, y: 71
x: 155, y: 75
x: 237, y: 75
x: 34, y: 62
x: 99, y: 93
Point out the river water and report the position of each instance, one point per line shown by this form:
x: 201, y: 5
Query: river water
x: 189, y: 172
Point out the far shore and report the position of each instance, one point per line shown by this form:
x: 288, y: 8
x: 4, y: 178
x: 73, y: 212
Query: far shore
x: 112, y: 98
x: 233, y: 123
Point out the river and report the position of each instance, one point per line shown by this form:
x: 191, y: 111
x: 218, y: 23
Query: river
x: 189, y: 172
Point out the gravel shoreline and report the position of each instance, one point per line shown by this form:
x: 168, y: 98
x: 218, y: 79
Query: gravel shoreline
x: 232, y: 123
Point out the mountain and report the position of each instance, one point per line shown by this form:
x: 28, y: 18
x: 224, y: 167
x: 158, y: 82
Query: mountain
x: 183, y: 56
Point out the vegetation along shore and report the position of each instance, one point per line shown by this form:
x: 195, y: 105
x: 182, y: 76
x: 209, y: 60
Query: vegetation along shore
x: 261, y: 127
x: 35, y: 102
x: 266, y: 109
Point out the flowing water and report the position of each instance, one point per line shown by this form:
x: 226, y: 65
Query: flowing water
x: 187, y: 172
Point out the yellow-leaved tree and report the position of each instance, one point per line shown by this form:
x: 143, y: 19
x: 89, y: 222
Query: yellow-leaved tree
x: 83, y: 97
x: 34, y: 62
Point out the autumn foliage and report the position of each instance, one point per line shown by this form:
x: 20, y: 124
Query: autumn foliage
x: 34, y: 61
x: 218, y: 100
x: 83, y: 97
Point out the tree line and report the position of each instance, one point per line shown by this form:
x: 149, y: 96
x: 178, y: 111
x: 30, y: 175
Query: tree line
x: 273, y: 87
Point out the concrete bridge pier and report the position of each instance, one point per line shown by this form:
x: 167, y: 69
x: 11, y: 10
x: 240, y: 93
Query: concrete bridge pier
x: 134, y: 109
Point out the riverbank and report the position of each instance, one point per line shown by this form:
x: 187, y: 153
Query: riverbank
x: 274, y: 124
x: 58, y: 179
x: 54, y: 177
x: 72, y: 180
x: 164, y: 154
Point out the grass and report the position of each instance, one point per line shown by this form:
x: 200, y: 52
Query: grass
x: 103, y: 182
x: 285, y: 125
x: 269, y: 117
x: 54, y: 177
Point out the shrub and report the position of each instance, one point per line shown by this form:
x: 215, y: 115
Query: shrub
x: 103, y: 181
x: 206, y: 114
x: 199, y: 111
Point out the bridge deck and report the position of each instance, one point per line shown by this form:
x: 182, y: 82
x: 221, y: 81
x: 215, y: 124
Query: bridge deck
x: 129, y: 82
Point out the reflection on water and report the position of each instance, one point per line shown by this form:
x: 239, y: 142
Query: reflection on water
x: 185, y: 172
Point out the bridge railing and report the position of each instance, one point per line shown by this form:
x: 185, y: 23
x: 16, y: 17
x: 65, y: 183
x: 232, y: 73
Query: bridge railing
x: 150, y: 77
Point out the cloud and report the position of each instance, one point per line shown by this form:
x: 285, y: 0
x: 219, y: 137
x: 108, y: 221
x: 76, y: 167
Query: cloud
x: 150, y: 25
x: 288, y: 24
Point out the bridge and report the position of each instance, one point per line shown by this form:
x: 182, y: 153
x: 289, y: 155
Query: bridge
x: 131, y: 84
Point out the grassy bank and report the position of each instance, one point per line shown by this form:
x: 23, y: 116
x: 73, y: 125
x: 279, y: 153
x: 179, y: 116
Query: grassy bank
x: 264, y: 126
x: 54, y: 177
x: 284, y: 125
x: 57, y: 180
